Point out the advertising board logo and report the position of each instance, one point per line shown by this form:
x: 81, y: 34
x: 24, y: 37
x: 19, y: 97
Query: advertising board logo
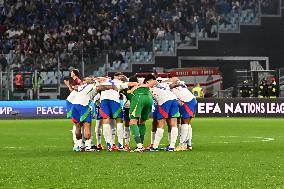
x: 5, y: 110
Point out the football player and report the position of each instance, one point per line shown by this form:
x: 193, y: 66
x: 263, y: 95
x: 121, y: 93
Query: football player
x: 187, y: 106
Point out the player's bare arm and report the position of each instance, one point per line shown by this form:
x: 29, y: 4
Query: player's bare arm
x: 149, y: 84
x: 174, y: 85
x: 106, y: 87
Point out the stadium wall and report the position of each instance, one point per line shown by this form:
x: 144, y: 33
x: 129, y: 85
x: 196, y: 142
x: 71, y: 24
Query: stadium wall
x: 251, y: 41
x: 222, y: 107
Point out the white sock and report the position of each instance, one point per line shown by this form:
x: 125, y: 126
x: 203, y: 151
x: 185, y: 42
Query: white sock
x: 92, y: 131
x: 152, y: 137
x: 120, y: 134
x: 74, y: 135
x: 107, y: 133
x: 127, y: 135
x: 158, y: 136
x: 183, y: 133
x: 173, y: 138
x: 98, y: 129
x: 88, y: 144
x: 82, y: 132
x: 189, y: 135
x: 113, y: 132
x: 179, y: 128
x: 169, y: 138
x: 80, y: 143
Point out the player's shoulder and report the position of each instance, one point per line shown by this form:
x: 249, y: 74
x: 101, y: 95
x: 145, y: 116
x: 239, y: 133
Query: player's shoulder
x: 165, y: 85
x: 77, y: 81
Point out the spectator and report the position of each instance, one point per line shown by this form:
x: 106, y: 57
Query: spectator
x: 56, y: 27
x: 16, y: 66
x: 19, y: 81
x: 3, y: 63
x: 197, y: 91
x: 118, y: 60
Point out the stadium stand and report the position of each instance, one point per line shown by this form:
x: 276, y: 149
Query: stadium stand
x: 40, y: 35
x: 43, y: 29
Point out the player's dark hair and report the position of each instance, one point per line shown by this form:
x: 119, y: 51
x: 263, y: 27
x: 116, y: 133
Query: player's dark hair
x: 124, y: 78
x: 76, y: 72
x: 118, y: 74
x: 149, y: 77
x: 133, y: 79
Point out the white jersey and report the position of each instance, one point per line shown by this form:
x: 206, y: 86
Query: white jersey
x: 113, y: 94
x: 162, y: 93
x: 183, y: 94
x: 85, y: 94
x: 72, y: 96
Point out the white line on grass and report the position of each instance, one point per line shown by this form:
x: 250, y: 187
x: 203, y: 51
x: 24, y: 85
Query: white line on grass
x: 12, y: 147
x: 21, y: 147
x: 261, y: 139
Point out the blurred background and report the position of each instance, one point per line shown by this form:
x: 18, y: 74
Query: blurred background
x: 230, y: 48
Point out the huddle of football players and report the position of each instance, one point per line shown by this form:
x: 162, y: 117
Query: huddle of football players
x: 121, y: 107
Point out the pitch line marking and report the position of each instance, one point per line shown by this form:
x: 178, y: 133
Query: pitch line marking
x: 21, y: 147
x: 262, y: 139
x: 12, y: 147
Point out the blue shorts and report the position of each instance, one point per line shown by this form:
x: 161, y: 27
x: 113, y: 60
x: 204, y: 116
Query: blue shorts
x: 126, y: 116
x: 81, y: 114
x: 110, y: 109
x: 155, y: 111
x: 188, y: 109
x: 169, y: 109
x: 69, y: 107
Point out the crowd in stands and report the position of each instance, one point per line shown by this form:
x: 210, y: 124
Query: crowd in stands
x: 270, y: 7
x: 39, y: 33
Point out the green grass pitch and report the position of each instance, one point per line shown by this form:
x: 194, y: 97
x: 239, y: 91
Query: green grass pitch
x: 227, y: 153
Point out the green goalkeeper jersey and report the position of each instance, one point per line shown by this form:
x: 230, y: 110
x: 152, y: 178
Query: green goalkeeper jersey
x: 141, y: 104
x: 142, y: 90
